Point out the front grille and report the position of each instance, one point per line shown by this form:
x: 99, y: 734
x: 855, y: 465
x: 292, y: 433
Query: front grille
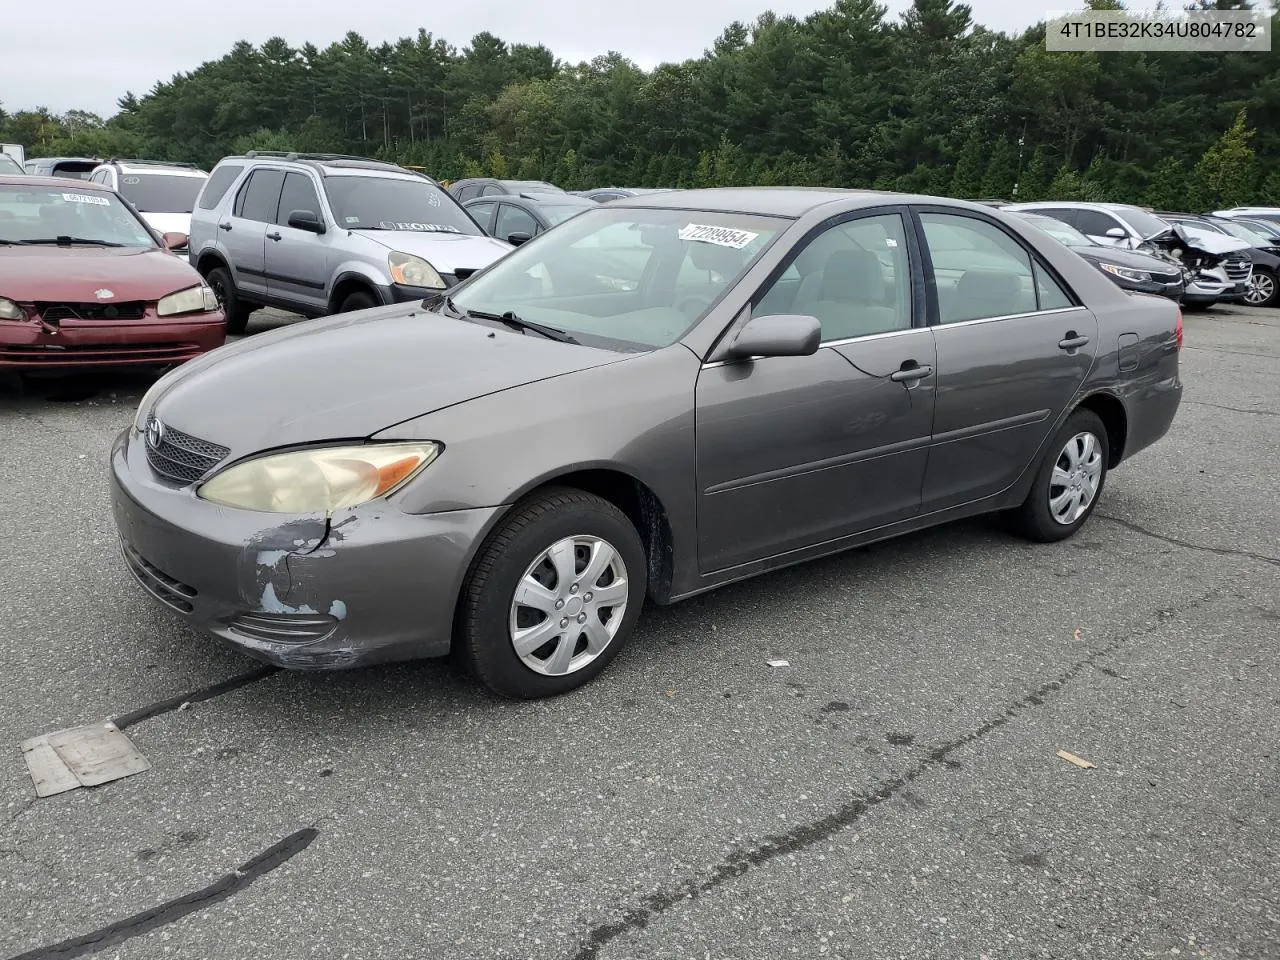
x: 90, y: 354
x: 181, y: 457
x: 54, y: 312
x: 172, y: 593
x: 1238, y: 270
x: 292, y: 628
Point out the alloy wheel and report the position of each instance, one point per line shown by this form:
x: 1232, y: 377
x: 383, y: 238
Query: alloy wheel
x: 1261, y: 289
x: 1075, y: 478
x: 569, y: 605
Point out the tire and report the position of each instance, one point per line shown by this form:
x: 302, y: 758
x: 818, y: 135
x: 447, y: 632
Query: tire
x: 224, y: 289
x: 1264, y: 291
x: 1036, y: 519
x: 360, y: 300
x: 516, y: 556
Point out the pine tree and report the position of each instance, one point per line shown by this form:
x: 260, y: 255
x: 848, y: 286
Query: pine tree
x: 967, y: 179
x: 1227, y: 174
x: 1034, y: 182
x: 1002, y: 171
x: 1167, y: 189
x: 1066, y: 185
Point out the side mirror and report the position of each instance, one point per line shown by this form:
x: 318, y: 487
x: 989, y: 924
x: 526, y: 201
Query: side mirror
x: 307, y: 220
x: 776, y: 335
x: 174, y: 240
x: 1118, y: 233
x: 515, y: 239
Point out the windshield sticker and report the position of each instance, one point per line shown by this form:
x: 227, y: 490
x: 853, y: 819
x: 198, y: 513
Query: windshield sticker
x: 433, y: 200
x: 890, y: 243
x: 720, y: 236
x: 416, y: 226
x: 85, y: 198
x: 352, y: 219
x: 131, y: 180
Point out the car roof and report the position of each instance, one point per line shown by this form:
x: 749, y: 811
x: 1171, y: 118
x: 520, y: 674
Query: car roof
x: 26, y: 180
x: 328, y: 164
x: 64, y: 159
x: 791, y: 202
x: 156, y: 166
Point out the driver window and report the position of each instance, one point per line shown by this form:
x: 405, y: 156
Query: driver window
x: 512, y: 219
x: 854, y: 277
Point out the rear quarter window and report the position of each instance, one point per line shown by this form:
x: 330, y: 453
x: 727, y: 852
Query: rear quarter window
x: 219, y: 182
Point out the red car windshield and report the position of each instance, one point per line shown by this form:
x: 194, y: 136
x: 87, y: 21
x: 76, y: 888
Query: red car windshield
x: 68, y: 214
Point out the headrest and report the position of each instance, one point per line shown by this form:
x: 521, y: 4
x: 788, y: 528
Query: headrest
x: 993, y: 285
x: 725, y: 261
x: 854, y: 276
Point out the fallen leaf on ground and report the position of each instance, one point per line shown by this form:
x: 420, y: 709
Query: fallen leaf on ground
x: 1078, y: 761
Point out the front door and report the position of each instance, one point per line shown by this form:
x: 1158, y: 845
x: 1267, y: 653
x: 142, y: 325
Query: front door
x: 298, y: 262
x: 795, y: 451
x: 1013, y: 350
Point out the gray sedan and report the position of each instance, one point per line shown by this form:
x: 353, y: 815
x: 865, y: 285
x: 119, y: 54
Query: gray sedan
x: 660, y: 396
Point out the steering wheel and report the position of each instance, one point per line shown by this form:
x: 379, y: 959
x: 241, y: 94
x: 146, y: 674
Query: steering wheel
x: 700, y: 304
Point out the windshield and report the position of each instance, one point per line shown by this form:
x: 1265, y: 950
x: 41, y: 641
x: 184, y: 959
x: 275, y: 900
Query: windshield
x: 628, y: 279
x: 160, y: 193
x: 10, y: 165
x: 560, y: 212
x: 392, y: 203
x: 1146, y: 224
x: 1064, y: 233
x: 1241, y: 232
x: 46, y: 213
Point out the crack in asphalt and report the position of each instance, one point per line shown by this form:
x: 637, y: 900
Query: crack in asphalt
x: 1233, y: 353
x: 1187, y: 544
x: 806, y: 835
x: 1220, y: 406
x: 141, y: 923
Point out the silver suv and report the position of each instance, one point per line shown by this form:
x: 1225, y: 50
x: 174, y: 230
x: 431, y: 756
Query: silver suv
x: 321, y: 233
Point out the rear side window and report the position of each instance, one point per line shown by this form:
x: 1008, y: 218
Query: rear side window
x: 259, y: 198
x: 980, y: 271
x: 219, y: 182
x: 1049, y: 295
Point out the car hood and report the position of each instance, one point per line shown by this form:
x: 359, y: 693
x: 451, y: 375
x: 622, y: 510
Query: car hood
x: 349, y: 376
x: 1128, y: 258
x: 169, y: 222
x: 1199, y: 241
x: 82, y: 274
x: 447, y: 252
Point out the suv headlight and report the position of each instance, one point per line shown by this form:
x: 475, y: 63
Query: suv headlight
x: 1124, y: 273
x: 413, y: 271
x: 192, y: 300
x: 10, y: 310
x: 319, y: 480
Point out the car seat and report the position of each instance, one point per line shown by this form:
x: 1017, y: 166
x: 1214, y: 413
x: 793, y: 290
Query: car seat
x: 853, y: 290
x: 987, y: 293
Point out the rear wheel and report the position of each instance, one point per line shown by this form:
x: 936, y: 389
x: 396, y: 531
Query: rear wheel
x: 360, y: 300
x: 1068, y: 482
x: 236, y: 310
x: 553, y: 595
x: 1263, y: 288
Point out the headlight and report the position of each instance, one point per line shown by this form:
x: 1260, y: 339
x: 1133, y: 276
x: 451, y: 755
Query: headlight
x: 10, y: 310
x: 191, y: 300
x: 320, y: 480
x: 413, y: 271
x: 1124, y: 273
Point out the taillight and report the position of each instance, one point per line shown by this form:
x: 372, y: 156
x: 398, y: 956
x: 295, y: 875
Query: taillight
x: 1177, y: 329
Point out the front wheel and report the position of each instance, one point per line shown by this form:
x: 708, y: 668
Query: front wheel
x: 236, y: 310
x: 357, y: 301
x: 553, y: 595
x: 1068, y: 482
x: 1263, y: 289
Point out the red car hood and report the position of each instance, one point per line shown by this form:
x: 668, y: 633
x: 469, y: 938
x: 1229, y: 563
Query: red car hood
x: 79, y: 274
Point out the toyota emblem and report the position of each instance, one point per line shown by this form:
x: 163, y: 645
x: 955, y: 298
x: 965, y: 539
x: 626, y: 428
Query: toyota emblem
x: 155, y: 433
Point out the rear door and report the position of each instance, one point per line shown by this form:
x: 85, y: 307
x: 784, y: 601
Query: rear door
x: 244, y: 229
x: 1013, y: 348
x: 298, y: 262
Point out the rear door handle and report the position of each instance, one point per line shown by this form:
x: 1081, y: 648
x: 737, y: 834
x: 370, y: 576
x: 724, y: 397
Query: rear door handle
x: 224, y: 226
x: 909, y: 374
x: 273, y: 236
x: 1072, y: 341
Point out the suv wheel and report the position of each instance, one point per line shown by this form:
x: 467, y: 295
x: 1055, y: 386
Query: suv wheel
x: 357, y: 301
x: 224, y: 289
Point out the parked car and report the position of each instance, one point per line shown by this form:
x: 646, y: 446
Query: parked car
x: 84, y: 283
x: 519, y: 471
x: 1219, y: 272
x: 469, y: 189
x: 319, y: 233
x: 1267, y: 228
x: 10, y: 167
x: 519, y: 218
x: 164, y: 193
x: 1264, y: 289
x: 71, y: 168
x: 1270, y: 214
x: 605, y: 194
x: 1127, y: 269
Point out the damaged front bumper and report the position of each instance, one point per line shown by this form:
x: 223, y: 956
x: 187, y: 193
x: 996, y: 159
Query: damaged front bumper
x: 300, y: 591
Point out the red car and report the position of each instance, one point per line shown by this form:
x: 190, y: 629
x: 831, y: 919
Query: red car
x: 85, y: 283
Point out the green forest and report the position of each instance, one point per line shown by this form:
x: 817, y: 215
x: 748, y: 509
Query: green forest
x: 929, y: 102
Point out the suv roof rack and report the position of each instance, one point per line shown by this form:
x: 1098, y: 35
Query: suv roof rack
x: 333, y: 159
x: 153, y: 163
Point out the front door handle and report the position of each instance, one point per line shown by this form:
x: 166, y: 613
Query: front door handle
x: 1073, y: 341
x: 910, y: 372
x: 273, y: 236
x: 224, y: 226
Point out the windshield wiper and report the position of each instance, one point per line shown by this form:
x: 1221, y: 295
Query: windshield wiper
x: 65, y: 241
x: 513, y: 321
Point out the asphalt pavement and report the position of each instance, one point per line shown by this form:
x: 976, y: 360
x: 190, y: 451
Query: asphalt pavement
x: 895, y: 792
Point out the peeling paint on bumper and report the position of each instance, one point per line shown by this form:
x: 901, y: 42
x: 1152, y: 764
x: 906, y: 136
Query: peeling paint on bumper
x: 375, y: 584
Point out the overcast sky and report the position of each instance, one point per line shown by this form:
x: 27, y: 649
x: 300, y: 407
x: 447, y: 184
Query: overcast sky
x: 131, y: 46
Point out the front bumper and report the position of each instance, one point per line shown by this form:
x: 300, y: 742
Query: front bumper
x: 401, y: 293
x: 28, y: 345
x: 372, y: 585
